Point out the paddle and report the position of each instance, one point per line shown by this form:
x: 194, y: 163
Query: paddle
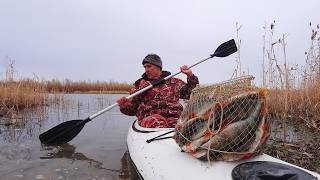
x: 66, y: 131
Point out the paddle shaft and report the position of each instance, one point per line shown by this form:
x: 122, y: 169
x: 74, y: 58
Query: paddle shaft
x: 144, y: 89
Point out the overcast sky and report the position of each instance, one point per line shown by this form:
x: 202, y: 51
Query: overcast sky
x: 107, y: 40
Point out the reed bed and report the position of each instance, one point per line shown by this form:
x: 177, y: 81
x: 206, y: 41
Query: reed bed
x: 17, y: 95
x: 297, y: 104
x: 68, y: 86
x: 294, y: 89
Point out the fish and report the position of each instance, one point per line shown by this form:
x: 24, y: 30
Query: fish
x: 240, y: 106
x: 193, y: 129
x: 195, y: 109
x: 262, y: 135
x: 192, y: 146
x: 191, y: 125
x: 199, y: 129
x: 232, y: 110
x: 232, y: 138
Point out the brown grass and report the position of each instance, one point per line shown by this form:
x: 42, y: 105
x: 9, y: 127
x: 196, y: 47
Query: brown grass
x: 294, y: 90
x: 302, y: 104
x: 68, y: 86
x: 15, y: 96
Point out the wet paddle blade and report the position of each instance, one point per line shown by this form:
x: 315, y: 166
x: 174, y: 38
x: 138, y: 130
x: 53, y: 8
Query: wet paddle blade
x: 226, y: 49
x: 62, y: 133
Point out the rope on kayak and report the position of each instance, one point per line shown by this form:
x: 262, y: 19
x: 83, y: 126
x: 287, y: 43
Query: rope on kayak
x: 225, y: 121
x: 160, y: 137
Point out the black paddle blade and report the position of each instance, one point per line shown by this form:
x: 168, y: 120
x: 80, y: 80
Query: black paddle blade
x: 226, y: 49
x: 63, y: 132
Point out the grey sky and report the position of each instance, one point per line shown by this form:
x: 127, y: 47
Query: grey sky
x: 107, y: 40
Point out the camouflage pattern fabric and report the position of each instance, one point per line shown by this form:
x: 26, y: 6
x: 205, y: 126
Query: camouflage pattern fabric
x: 159, y: 107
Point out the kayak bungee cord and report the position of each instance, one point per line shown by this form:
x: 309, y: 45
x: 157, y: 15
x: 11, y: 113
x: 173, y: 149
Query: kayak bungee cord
x: 160, y: 137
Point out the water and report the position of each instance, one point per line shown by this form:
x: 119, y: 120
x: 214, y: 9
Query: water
x: 99, y: 151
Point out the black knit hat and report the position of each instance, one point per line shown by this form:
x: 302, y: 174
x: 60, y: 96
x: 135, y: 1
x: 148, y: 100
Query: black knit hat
x: 153, y: 59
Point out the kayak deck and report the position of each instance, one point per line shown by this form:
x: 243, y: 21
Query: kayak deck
x: 163, y: 159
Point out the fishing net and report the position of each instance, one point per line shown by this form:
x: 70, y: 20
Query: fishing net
x: 225, y: 121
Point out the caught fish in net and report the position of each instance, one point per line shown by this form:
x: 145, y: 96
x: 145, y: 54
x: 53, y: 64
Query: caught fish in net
x: 226, y: 121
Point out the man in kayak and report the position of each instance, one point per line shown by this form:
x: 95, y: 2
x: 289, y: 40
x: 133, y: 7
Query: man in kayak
x: 158, y: 107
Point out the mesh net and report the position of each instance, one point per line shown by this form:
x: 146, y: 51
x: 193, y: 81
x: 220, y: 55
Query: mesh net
x: 225, y: 121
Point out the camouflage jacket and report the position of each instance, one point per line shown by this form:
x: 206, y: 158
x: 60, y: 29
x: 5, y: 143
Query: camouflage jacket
x: 162, y: 99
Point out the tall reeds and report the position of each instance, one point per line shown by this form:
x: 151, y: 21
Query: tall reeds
x: 294, y: 89
x: 68, y: 86
x: 19, y: 94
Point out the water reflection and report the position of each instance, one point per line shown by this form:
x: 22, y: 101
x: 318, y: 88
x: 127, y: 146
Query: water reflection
x: 17, y: 130
x: 128, y: 170
x: 25, y: 125
x: 69, y: 151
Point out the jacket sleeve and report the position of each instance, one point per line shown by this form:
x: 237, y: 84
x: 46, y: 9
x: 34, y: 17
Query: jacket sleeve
x: 130, y: 108
x: 192, y: 82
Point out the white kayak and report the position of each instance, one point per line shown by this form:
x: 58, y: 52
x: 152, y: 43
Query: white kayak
x: 163, y: 159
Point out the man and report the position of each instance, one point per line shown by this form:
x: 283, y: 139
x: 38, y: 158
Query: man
x: 158, y: 107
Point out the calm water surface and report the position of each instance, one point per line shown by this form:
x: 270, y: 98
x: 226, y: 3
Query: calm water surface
x: 99, y: 151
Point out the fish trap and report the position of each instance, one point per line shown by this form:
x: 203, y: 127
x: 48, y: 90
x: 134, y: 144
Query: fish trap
x: 225, y: 121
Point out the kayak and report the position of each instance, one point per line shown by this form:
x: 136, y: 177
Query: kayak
x: 162, y: 158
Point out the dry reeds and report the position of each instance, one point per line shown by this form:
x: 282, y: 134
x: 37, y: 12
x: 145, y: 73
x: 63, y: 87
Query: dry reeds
x: 68, y: 86
x: 294, y: 90
x: 17, y: 95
